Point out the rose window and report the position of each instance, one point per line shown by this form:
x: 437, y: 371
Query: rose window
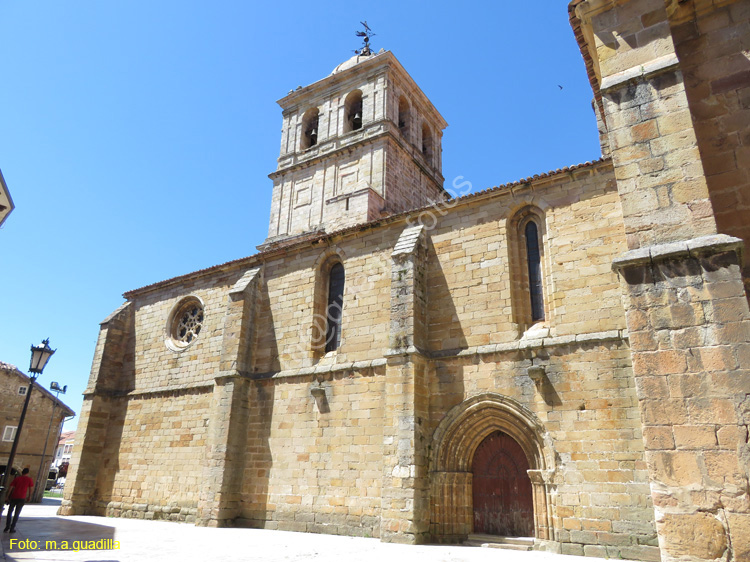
x: 185, y: 324
x: 189, y: 323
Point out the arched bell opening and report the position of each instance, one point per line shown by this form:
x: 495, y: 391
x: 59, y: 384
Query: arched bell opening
x: 353, y: 111
x: 310, y: 122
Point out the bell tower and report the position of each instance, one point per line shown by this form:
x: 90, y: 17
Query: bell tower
x: 358, y: 145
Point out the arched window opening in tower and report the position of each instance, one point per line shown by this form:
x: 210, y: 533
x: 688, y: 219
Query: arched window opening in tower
x: 353, y: 106
x: 403, y: 115
x: 427, y: 142
x: 310, y: 128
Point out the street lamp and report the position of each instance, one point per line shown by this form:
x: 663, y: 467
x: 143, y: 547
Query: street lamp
x: 39, y: 486
x: 40, y: 354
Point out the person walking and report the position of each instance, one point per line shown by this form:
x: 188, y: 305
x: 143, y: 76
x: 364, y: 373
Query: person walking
x: 19, y: 492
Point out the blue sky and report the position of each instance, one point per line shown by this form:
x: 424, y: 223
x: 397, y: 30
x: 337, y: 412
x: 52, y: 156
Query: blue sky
x: 137, y: 136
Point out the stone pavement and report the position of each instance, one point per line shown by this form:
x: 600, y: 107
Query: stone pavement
x: 166, y: 542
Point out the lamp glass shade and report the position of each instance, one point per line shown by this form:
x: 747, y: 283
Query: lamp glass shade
x: 40, y: 354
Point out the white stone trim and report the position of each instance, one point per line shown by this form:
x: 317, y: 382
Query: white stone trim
x: 651, y: 68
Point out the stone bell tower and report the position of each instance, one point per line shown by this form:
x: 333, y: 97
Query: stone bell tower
x: 360, y: 144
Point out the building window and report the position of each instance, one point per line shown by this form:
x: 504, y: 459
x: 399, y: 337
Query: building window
x: 403, y: 116
x: 185, y: 324
x: 189, y: 323
x: 22, y: 390
x: 310, y: 128
x: 526, y: 240
x: 9, y: 434
x: 353, y: 111
x: 334, y: 307
x: 534, y: 263
x: 427, y: 142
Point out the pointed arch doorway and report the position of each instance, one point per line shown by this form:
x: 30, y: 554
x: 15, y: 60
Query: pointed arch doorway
x: 511, y: 434
x: 501, y: 488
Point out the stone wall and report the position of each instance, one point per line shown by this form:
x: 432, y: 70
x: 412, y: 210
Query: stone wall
x: 689, y: 319
x: 471, y: 274
x: 153, y: 456
x: 341, y: 442
x: 313, y: 461
x: 598, y: 492
x: 306, y: 198
x: 324, y: 191
x: 286, y: 313
x: 672, y: 77
x: 130, y: 458
x: 156, y: 366
x: 711, y: 43
x: 654, y: 149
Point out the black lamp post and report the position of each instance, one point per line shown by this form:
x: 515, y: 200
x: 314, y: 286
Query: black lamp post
x: 40, y: 354
x: 42, y: 484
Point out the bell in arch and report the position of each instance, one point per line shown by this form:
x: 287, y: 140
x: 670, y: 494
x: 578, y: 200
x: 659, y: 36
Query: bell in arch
x: 312, y: 135
x: 357, y: 120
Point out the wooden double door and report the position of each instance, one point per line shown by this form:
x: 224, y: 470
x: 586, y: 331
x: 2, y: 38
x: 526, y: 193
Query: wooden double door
x: 503, y: 500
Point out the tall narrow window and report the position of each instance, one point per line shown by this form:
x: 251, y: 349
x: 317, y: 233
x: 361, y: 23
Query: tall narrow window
x: 334, y: 307
x: 427, y: 142
x: 353, y: 109
x: 403, y: 115
x: 534, y: 261
x: 310, y: 128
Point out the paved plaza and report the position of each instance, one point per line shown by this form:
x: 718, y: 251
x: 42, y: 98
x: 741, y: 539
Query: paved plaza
x: 164, y: 541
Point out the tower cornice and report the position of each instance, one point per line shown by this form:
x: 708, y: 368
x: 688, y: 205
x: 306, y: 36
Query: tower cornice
x: 385, y: 60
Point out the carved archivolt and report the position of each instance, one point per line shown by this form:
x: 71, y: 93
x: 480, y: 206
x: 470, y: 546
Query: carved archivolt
x: 469, y: 423
x: 453, y: 446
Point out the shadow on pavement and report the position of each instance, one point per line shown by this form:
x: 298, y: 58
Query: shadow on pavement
x: 35, y: 533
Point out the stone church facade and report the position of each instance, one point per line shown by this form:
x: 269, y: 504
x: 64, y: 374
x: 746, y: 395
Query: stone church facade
x: 564, y: 358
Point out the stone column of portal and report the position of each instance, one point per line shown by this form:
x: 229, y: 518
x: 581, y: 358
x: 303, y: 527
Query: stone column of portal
x: 220, y: 499
x: 405, y: 508
x: 96, y: 413
x: 686, y: 308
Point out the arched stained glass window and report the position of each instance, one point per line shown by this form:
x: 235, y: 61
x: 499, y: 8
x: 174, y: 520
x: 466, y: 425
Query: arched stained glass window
x: 334, y: 307
x: 533, y: 258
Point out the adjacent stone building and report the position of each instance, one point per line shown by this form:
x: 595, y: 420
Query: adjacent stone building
x: 563, y: 358
x: 44, y: 419
x: 6, y: 203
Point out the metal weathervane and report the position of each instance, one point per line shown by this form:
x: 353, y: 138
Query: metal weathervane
x: 366, y: 35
